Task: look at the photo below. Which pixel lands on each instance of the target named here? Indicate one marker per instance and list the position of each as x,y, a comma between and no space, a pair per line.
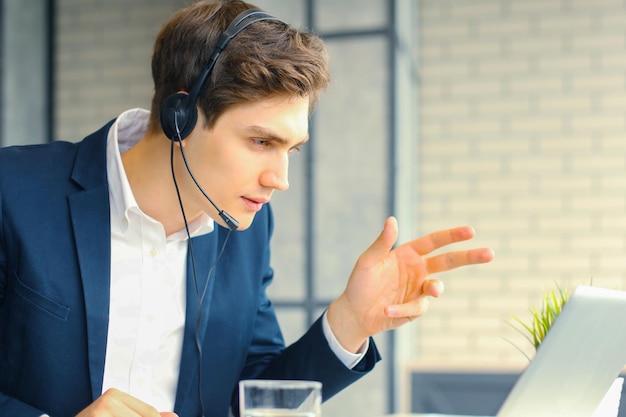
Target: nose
277,175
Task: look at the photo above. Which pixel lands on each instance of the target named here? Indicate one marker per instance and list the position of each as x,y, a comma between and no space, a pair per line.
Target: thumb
168,414
384,242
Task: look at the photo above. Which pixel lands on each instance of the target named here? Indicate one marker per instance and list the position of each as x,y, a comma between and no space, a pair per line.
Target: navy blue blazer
54,295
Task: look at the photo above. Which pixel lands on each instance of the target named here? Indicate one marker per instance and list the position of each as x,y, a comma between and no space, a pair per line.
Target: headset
179,113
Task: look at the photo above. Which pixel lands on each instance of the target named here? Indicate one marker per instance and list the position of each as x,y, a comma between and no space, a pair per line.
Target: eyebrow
268,134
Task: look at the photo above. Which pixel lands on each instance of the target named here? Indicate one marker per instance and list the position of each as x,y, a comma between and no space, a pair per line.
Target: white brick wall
102,60
522,115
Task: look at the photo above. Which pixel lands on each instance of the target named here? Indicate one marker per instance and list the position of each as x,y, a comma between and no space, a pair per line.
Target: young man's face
244,157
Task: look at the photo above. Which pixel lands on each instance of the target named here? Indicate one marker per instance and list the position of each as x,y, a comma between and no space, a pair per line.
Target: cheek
237,171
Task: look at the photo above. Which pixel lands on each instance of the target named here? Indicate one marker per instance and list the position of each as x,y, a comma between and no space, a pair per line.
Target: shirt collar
125,132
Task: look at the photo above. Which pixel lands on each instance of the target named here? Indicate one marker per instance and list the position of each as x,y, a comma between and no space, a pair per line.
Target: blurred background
505,115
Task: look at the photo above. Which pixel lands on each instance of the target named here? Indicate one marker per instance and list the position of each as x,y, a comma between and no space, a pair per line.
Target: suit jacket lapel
90,213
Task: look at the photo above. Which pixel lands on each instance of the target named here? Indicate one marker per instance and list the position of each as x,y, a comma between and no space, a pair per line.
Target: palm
393,280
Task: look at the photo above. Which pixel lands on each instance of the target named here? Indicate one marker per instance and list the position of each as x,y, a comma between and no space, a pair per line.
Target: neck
147,166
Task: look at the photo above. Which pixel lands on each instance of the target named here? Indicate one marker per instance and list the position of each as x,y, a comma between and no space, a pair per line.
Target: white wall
24,72
522,125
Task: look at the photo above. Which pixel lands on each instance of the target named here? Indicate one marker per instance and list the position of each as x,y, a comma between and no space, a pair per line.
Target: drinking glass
280,398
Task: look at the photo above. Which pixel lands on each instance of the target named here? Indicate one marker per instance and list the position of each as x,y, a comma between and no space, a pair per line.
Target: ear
178,116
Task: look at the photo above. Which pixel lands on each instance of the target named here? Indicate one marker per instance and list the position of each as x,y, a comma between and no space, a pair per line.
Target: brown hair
267,58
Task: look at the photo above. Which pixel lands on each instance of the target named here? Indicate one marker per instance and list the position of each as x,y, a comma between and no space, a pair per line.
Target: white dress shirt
148,282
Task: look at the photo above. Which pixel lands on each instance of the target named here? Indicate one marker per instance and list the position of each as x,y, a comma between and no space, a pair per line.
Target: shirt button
154,252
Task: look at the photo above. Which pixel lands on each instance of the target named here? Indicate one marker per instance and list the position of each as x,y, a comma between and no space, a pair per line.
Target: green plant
542,317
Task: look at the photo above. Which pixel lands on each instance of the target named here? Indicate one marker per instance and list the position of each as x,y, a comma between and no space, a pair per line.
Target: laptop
578,360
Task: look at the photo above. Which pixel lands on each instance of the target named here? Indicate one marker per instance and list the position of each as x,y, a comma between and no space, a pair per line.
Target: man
124,290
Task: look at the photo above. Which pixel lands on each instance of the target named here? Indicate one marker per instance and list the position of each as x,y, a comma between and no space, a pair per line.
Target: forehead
284,118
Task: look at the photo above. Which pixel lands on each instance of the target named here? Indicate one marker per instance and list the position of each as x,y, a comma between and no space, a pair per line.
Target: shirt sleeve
349,359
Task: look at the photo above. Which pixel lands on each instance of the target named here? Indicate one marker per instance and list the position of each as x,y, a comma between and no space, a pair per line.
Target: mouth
255,204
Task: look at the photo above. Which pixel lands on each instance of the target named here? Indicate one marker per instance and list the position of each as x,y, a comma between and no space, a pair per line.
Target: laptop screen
578,360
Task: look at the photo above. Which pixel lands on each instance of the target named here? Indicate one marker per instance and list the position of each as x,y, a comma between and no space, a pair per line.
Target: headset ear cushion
178,116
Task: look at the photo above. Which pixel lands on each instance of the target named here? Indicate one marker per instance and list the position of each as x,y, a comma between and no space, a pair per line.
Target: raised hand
391,286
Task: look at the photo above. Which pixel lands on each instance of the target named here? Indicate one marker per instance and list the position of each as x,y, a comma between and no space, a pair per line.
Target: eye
261,143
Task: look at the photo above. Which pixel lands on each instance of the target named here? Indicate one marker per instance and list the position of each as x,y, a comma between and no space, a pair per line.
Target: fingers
451,260
385,241
419,305
433,287
138,406
441,238
411,310
416,307
429,243
117,403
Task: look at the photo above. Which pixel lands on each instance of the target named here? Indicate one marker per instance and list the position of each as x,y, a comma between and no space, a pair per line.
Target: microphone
228,219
